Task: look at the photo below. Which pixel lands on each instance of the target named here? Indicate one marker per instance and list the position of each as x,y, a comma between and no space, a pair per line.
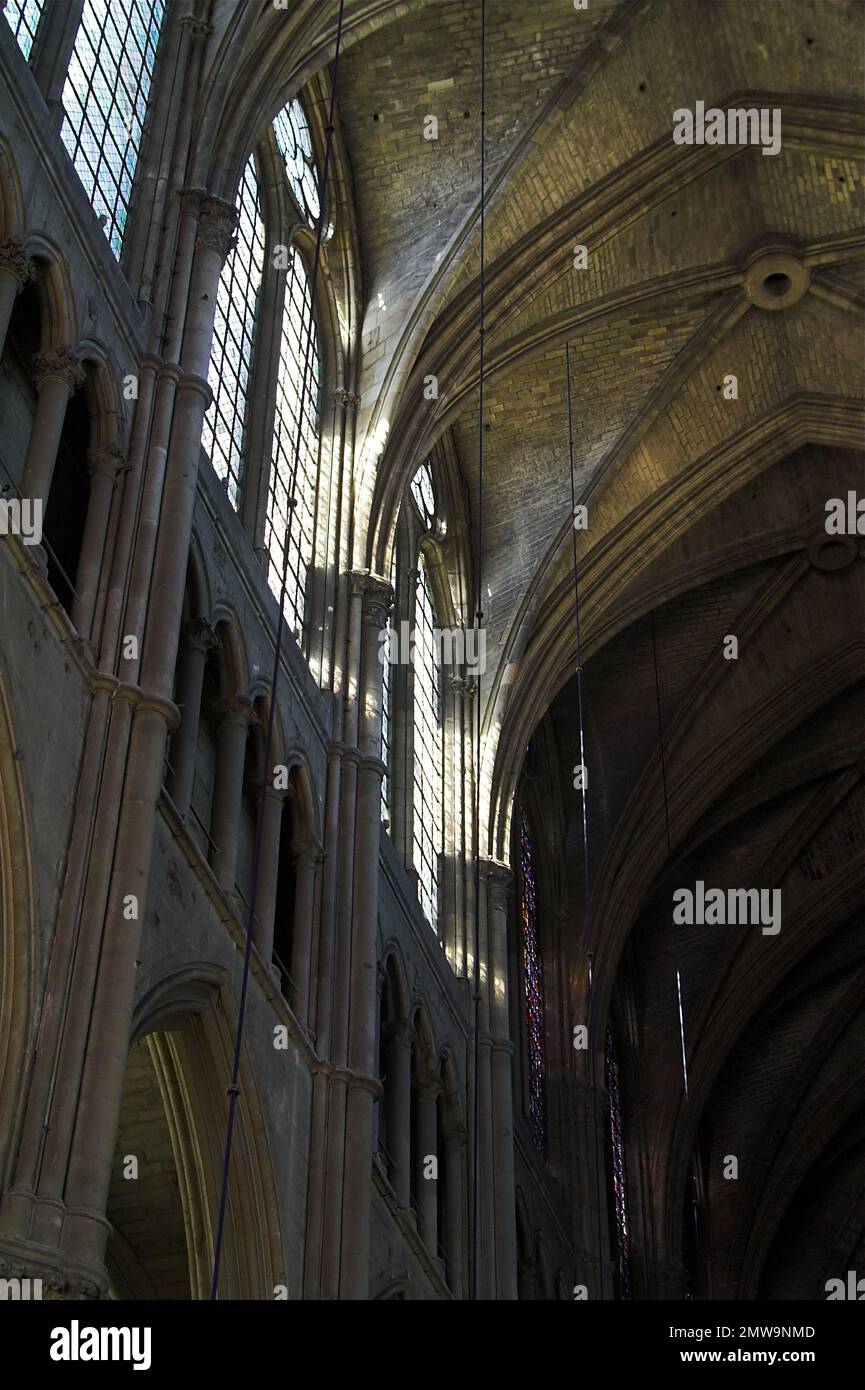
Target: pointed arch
189,1020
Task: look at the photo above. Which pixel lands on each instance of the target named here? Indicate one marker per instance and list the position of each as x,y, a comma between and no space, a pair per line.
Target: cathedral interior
432,839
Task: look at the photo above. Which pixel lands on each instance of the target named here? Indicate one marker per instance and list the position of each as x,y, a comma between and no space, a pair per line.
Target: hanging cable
234,1088
590,944
679,996
479,616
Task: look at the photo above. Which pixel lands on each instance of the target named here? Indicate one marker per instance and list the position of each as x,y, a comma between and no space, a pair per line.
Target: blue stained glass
617,1151
23,19
105,102
533,989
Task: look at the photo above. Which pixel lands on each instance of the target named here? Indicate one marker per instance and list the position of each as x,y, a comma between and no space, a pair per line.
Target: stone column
264,921
104,463
216,221
454,1162
16,269
498,884
197,640
397,1103
308,854
228,790
354,1277
427,1089
58,375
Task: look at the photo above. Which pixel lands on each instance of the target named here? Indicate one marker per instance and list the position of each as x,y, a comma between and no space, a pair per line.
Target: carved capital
15,261
217,222
459,684
239,711
200,634
60,363
347,399
197,28
499,879
377,601
308,852
105,461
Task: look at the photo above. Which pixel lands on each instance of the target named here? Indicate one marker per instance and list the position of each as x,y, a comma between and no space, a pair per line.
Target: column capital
239,711
308,851
198,28
460,684
217,223
377,595
499,879
347,399
199,633
398,1030
61,363
105,460
428,1082
15,261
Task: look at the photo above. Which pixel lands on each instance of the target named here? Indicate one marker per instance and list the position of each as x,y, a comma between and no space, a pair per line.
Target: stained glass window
385,713
105,102
617,1152
296,411
533,989
295,145
423,494
231,353
427,800
23,17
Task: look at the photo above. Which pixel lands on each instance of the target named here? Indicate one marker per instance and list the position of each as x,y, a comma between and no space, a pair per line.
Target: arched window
291,129
533,990
234,325
427,820
617,1174
289,383
105,102
295,446
23,18
424,495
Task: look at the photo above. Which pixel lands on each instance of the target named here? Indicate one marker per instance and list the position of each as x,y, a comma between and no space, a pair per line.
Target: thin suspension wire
234,1088
590,943
680,1003
479,615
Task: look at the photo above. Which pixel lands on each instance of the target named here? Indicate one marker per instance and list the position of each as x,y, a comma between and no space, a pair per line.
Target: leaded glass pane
23,18
295,145
289,530
105,102
233,330
428,782
423,494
